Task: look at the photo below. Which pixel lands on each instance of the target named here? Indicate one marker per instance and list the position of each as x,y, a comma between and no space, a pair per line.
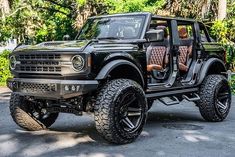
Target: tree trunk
222,9
205,8
4,7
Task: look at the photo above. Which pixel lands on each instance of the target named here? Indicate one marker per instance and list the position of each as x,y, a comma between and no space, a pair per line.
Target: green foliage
233,84
34,21
230,21
4,67
134,5
224,32
220,31
43,20
38,20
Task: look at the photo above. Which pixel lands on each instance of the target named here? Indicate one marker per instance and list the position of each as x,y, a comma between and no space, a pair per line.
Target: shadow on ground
83,140
168,130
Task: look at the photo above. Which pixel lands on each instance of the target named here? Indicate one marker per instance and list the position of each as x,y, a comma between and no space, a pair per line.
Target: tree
222,9
39,20
4,8
43,20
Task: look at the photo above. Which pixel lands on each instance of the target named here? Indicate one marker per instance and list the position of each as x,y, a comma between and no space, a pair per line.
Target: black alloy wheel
120,111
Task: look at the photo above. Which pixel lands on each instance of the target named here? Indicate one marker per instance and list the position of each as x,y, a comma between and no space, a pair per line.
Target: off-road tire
107,110
209,92
21,115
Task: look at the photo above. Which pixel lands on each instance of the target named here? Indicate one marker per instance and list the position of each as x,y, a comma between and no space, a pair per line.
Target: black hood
80,46
55,46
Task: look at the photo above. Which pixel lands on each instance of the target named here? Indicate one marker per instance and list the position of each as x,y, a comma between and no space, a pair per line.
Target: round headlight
12,62
78,63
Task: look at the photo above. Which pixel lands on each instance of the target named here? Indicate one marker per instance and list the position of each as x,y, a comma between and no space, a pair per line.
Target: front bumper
51,88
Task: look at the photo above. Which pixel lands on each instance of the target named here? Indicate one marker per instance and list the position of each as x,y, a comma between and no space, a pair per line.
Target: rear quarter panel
214,49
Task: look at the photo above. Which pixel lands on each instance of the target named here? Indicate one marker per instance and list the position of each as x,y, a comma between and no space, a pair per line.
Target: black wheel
120,111
215,97
28,115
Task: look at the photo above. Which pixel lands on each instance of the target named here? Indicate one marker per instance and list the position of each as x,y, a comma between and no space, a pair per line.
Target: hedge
4,67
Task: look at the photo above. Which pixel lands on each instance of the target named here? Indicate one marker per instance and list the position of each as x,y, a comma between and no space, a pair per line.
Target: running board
168,101
195,97
171,92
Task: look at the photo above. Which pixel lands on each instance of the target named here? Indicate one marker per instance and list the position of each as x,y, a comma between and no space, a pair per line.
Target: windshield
124,27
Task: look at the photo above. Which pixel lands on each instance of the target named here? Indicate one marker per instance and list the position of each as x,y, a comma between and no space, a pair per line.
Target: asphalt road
175,131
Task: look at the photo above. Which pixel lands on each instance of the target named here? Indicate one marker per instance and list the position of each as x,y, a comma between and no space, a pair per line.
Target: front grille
39,63
40,69
35,87
39,56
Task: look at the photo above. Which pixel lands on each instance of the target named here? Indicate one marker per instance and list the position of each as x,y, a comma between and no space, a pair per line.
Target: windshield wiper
114,38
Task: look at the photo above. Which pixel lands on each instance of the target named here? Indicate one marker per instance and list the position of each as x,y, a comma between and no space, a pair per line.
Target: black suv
115,68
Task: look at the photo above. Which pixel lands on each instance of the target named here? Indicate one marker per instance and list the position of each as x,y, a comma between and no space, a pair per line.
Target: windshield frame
143,27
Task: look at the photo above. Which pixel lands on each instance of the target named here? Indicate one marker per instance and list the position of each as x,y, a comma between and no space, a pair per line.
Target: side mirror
66,37
155,35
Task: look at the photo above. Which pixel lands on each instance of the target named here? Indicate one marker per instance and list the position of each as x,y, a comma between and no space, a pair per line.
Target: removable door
162,55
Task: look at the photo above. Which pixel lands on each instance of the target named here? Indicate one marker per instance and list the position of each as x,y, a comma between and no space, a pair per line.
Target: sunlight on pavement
54,140
8,143
195,136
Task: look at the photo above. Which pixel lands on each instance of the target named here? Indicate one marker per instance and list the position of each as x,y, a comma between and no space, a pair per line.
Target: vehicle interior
158,54
115,27
186,54
172,61
159,59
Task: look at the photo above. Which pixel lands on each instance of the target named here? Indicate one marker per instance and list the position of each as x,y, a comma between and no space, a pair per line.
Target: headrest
183,33
161,27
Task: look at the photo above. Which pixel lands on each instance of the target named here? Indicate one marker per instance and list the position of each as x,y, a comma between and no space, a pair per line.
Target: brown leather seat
157,58
185,49
157,53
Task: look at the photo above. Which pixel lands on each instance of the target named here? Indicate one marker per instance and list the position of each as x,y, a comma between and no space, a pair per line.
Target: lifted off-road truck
115,68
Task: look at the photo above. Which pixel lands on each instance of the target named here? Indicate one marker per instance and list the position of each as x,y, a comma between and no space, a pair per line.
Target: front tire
24,114
120,111
215,97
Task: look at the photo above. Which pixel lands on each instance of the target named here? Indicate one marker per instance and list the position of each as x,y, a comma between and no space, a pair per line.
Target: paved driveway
175,131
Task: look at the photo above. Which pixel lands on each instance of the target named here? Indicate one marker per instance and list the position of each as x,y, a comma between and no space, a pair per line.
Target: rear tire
215,97
120,111
22,113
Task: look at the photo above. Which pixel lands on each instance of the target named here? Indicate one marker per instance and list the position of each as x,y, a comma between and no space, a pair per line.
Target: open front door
162,53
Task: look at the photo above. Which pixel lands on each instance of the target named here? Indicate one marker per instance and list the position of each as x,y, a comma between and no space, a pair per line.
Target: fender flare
105,71
206,66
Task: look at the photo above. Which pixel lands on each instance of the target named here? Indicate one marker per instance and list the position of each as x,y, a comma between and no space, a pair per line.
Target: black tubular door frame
174,68
189,79
174,50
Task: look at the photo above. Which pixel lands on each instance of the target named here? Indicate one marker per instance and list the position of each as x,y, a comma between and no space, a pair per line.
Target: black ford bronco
115,68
